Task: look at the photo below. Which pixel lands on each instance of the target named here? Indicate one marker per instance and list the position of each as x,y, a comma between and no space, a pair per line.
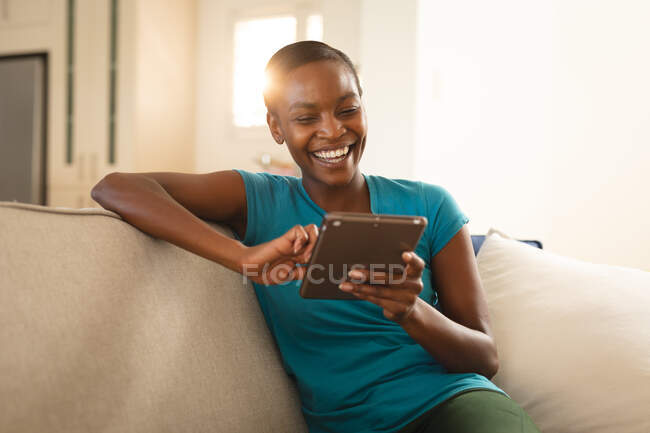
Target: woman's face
318,109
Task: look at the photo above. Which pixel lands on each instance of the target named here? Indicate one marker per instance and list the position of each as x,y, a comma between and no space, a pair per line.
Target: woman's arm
141,200
172,206
461,338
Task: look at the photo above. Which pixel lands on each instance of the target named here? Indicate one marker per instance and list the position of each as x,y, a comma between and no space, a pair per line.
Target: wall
536,116
213,149
164,85
388,71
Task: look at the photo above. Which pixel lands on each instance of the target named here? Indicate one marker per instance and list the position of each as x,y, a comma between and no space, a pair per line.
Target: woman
390,363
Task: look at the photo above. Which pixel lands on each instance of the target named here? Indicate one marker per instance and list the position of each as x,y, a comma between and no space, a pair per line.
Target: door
22,126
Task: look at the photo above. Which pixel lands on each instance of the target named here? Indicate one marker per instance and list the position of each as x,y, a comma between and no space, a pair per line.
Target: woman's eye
349,111
305,119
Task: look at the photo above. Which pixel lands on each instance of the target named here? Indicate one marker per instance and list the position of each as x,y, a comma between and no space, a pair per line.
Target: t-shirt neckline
312,203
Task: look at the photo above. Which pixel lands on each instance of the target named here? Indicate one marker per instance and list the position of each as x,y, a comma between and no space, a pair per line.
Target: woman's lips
337,162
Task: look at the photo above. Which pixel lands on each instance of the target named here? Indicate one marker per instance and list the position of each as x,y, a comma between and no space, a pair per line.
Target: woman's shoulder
430,191
432,200
265,179
392,183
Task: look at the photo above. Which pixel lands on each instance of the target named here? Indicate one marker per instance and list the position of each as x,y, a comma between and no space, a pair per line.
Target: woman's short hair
291,56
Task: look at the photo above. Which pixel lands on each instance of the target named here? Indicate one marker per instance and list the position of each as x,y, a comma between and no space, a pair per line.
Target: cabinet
149,46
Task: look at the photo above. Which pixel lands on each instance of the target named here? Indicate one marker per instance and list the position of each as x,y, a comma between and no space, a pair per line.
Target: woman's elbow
107,182
492,367
492,363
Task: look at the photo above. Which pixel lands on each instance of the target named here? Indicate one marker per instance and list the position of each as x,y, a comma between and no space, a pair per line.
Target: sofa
104,328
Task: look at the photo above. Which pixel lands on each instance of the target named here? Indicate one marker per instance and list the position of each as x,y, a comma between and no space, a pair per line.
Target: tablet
349,240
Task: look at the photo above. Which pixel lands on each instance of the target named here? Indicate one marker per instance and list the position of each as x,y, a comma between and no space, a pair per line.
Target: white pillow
573,337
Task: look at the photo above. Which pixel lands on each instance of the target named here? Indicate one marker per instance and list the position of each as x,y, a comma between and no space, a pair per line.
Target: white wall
388,71
163,81
536,116
210,76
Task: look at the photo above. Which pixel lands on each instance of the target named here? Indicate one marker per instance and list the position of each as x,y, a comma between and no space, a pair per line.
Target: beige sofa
106,329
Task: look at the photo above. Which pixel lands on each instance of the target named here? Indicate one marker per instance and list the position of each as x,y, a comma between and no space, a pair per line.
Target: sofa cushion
573,337
104,328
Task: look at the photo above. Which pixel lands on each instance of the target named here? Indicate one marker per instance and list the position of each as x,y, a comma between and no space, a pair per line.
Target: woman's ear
274,127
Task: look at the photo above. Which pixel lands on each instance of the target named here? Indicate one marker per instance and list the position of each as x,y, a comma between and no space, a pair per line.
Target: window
255,41
315,28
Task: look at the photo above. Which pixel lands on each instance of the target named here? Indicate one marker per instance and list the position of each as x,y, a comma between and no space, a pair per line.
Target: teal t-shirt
355,370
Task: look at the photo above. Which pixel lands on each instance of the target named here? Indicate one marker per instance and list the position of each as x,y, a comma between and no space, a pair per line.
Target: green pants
474,411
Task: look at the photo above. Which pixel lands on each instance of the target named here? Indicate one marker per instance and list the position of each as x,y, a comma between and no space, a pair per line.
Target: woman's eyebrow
311,105
346,96
307,105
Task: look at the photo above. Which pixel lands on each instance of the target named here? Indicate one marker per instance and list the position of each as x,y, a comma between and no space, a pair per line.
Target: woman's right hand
275,261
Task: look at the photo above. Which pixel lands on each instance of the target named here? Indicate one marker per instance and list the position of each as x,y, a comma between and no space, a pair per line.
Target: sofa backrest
105,328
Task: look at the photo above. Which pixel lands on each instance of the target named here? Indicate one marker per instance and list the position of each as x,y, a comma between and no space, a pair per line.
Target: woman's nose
331,127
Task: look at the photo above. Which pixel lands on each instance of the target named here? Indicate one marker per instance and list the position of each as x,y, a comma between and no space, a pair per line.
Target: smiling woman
313,96
415,355
389,363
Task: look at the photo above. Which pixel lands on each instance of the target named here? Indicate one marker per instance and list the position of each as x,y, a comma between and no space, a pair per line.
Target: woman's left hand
396,292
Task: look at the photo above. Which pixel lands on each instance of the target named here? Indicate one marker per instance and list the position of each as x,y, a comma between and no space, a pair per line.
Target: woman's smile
333,157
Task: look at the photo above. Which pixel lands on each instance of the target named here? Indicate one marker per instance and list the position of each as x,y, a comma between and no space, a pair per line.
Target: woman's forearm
144,203
458,348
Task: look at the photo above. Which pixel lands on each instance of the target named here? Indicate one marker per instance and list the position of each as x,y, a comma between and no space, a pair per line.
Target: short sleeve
260,195
444,215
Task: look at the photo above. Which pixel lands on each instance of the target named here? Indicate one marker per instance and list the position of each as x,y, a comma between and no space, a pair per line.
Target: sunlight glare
255,42
315,28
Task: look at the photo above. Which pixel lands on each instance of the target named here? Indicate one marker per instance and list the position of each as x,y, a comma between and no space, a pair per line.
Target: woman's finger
384,292
301,238
312,233
414,264
392,310
286,244
290,241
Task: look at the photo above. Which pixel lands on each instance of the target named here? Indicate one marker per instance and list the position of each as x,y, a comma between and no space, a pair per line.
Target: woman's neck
353,197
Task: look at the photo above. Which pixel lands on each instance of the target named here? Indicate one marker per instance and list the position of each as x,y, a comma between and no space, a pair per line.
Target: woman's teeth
337,154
